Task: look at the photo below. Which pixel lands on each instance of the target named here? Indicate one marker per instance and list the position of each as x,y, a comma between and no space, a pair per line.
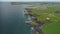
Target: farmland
52,12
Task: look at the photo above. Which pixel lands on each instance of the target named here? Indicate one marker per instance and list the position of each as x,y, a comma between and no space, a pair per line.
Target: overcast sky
32,0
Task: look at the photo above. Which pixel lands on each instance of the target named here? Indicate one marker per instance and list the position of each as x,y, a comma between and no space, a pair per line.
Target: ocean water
12,19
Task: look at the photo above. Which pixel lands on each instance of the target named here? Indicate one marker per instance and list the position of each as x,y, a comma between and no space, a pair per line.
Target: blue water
12,20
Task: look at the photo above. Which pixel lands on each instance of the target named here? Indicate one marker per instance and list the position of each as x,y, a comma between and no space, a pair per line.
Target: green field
52,27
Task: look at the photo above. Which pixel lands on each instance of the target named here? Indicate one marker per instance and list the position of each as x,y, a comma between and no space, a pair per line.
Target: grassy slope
52,28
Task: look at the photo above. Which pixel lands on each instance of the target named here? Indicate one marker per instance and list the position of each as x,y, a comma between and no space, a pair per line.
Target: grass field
54,26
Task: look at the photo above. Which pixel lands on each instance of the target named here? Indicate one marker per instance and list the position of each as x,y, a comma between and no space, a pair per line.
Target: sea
12,19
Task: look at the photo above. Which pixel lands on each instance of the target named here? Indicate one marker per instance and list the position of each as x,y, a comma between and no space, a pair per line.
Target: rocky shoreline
36,28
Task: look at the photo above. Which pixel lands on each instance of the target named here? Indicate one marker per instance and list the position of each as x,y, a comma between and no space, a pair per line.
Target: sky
30,0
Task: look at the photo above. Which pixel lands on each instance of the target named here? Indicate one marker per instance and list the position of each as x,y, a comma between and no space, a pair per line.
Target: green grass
54,26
